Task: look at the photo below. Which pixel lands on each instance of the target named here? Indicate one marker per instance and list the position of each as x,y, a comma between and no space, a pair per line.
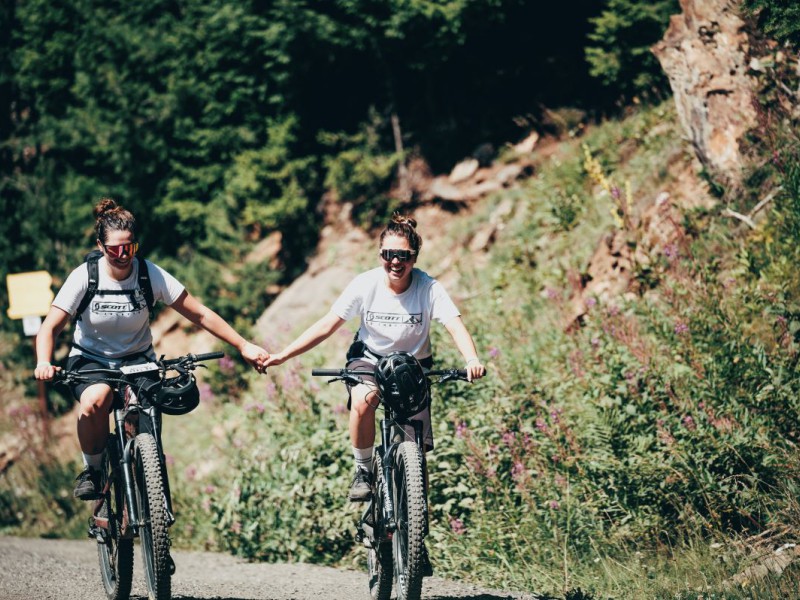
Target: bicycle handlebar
188,359
344,373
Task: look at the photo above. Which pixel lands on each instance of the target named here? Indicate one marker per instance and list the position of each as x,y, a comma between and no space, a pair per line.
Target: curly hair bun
105,205
404,220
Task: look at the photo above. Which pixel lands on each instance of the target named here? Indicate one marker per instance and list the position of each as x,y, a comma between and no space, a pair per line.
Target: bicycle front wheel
153,524
115,552
409,513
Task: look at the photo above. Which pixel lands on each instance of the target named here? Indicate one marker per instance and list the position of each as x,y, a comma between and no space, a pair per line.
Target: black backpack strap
145,285
91,264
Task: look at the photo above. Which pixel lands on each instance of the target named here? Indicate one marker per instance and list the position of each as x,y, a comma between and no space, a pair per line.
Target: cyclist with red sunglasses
114,328
397,304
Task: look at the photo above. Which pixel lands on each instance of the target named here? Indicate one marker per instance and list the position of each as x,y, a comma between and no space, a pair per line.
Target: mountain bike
394,524
135,499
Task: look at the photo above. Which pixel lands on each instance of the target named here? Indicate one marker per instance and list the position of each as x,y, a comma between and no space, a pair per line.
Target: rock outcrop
705,55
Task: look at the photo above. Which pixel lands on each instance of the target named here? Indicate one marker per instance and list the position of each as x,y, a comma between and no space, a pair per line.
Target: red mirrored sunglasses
120,250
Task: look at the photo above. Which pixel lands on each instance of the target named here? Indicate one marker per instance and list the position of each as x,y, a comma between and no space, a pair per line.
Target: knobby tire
116,553
153,532
409,507
379,560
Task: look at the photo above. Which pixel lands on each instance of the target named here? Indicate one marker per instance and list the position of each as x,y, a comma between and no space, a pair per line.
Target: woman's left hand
256,356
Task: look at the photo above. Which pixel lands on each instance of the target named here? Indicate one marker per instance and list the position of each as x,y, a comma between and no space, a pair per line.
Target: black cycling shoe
361,488
87,485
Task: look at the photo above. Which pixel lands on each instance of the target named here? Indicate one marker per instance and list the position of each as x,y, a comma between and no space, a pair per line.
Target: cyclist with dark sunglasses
397,303
114,328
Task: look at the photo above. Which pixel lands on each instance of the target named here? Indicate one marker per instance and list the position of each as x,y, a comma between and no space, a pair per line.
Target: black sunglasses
401,255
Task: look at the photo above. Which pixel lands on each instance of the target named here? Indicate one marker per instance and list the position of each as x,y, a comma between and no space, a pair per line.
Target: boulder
705,56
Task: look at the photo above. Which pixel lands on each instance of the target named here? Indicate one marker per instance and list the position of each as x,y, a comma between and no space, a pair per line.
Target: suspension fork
125,466
388,466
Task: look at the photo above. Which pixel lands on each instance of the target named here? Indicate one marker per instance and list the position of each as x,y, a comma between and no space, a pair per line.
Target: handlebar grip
209,356
462,373
326,372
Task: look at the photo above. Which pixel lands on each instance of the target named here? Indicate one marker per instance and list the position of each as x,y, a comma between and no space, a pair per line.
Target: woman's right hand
45,371
274,360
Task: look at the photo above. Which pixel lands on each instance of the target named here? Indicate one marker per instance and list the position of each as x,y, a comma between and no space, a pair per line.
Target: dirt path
67,570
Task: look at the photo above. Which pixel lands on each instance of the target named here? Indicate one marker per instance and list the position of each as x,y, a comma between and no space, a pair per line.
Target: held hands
256,356
275,360
475,370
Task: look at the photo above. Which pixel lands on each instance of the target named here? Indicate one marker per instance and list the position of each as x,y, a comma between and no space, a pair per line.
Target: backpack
143,278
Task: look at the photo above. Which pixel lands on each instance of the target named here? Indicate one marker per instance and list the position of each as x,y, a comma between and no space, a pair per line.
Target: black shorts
424,416
84,363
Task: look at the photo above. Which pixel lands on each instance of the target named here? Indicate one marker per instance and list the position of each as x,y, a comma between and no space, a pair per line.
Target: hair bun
105,205
403,220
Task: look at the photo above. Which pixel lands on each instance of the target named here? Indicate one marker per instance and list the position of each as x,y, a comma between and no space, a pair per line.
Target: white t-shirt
114,325
395,322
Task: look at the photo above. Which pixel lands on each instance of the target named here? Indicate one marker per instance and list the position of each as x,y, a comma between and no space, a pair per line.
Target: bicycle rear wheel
409,509
115,551
153,533
379,557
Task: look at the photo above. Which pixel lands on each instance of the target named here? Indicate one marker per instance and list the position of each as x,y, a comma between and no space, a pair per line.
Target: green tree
619,54
778,18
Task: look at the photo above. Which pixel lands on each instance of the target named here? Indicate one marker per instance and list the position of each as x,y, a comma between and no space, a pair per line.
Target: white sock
363,458
93,460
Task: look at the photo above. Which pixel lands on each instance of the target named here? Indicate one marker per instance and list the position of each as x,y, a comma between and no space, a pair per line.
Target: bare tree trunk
402,171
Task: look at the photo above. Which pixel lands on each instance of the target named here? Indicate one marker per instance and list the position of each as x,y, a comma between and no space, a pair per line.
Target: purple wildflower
689,423
541,425
509,437
551,293
554,505
595,343
206,394
517,470
461,429
671,251
457,526
615,192
590,302
681,328
226,363
494,352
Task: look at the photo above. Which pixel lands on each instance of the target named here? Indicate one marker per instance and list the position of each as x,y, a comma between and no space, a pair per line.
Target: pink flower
461,429
517,471
457,526
681,328
494,352
554,505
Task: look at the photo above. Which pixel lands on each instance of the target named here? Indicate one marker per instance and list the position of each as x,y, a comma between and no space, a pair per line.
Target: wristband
44,363
473,360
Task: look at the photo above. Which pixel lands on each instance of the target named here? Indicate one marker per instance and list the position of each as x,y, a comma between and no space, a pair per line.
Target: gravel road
32,568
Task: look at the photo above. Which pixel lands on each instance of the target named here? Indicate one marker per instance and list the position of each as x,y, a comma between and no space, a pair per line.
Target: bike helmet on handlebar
402,383
179,395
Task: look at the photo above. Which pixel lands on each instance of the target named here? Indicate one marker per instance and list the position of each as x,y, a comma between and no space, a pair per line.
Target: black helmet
179,395
402,383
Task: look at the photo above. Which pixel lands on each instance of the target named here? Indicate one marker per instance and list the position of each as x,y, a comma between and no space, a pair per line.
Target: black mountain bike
135,499
395,522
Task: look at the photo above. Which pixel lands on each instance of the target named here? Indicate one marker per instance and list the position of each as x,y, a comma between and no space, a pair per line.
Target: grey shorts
424,416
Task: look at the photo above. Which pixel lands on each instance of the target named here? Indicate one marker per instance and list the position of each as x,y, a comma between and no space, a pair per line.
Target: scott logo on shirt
394,319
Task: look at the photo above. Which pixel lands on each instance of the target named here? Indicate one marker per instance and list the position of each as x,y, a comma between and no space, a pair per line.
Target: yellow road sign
29,294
